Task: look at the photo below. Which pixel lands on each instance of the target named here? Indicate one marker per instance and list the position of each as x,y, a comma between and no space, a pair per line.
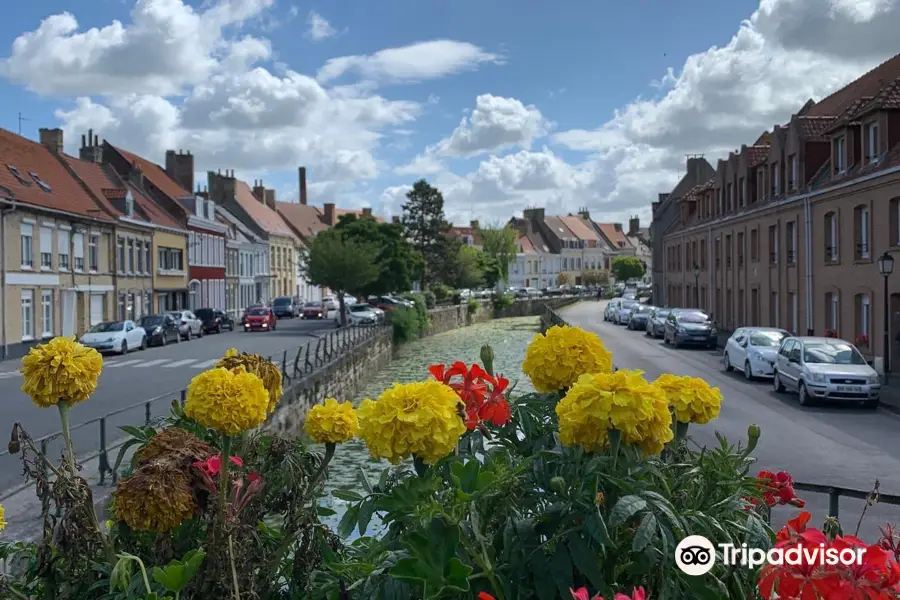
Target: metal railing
295,365
835,493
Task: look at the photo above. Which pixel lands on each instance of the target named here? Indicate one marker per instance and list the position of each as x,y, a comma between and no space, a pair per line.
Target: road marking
152,363
180,363
122,363
9,374
206,363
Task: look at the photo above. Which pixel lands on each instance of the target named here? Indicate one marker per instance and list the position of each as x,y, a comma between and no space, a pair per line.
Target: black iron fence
296,364
551,317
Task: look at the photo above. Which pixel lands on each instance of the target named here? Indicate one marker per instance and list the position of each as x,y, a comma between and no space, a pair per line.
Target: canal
508,337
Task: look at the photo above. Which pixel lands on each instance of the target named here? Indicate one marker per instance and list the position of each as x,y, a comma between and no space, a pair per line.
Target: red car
259,318
313,310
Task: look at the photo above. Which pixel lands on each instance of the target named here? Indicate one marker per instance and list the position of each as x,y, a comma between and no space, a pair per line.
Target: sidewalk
890,395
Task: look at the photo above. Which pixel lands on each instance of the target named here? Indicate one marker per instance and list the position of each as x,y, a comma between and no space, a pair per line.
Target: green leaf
365,514
135,432
544,585
348,521
625,508
348,495
120,575
407,569
596,527
324,511
645,533
585,559
177,574
364,480
561,564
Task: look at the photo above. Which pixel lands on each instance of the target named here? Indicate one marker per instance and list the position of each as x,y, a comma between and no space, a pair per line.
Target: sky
502,105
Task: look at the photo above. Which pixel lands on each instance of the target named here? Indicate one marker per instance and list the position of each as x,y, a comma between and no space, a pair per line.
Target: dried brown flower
157,497
176,443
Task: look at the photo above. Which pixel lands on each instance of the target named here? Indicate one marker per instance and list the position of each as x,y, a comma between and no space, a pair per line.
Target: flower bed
584,487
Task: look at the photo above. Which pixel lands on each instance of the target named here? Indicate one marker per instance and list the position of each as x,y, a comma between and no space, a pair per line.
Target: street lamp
697,284
886,267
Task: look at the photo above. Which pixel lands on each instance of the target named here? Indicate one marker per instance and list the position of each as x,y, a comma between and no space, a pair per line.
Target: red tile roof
305,219
525,245
757,155
616,236
867,85
155,213
813,128
582,228
157,176
63,191
269,220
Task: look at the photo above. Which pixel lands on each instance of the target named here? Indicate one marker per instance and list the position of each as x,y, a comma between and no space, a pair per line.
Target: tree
445,266
426,227
398,262
595,277
562,279
342,265
627,267
491,272
500,243
469,273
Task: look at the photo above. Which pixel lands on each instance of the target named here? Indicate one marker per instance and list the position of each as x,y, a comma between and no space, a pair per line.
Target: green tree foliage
627,267
398,262
595,277
340,263
562,279
444,266
426,228
470,272
500,244
491,271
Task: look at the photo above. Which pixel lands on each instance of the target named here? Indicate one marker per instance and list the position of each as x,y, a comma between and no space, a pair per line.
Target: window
861,223
839,154
27,315
170,259
740,248
727,251
46,248
773,244
754,245
791,243
46,313
78,239
26,244
147,266
62,249
795,175
863,320
121,254
776,179
44,186
131,255
831,237
872,142
139,245
832,309
94,252
730,195
703,254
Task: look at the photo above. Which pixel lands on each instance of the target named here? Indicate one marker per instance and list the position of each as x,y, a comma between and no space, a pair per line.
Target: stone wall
340,379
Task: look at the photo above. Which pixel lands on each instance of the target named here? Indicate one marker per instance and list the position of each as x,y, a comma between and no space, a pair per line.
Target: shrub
405,324
456,299
472,306
500,301
442,293
430,299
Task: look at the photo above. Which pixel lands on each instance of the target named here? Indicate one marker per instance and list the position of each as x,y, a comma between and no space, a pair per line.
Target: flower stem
329,454
64,420
223,477
234,577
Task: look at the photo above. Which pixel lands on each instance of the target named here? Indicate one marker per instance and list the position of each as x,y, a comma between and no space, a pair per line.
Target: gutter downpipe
3,337
808,262
709,267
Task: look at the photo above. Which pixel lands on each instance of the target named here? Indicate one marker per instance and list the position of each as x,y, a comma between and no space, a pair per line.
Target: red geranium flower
212,465
482,394
583,594
778,489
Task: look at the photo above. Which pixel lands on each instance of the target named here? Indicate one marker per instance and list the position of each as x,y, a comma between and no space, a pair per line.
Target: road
135,378
838,445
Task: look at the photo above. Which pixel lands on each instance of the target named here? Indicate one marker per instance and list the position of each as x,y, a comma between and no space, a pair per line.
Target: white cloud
318,27
497,123
416,62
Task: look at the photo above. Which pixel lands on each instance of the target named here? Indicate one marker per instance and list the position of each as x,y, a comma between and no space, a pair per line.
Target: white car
188,324
357,314
753,350
115,336
621,315
330,303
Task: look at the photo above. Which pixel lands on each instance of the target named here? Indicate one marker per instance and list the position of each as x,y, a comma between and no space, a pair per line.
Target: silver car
822,369
188,324
621,316
656,322
753,350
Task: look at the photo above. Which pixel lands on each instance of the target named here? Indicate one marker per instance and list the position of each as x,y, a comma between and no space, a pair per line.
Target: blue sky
566,104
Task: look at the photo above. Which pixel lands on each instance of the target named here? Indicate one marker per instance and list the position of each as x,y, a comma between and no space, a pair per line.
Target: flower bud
120,577
832,528
558,484
487,358
753,433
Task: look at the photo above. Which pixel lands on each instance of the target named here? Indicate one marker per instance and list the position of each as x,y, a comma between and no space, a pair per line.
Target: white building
247,270
536,265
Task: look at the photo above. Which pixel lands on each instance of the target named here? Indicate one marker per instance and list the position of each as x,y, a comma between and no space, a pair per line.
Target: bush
405,324
472,306
456,299
500,301
442,293
430,299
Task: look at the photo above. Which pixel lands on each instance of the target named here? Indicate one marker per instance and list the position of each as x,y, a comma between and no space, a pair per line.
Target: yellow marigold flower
332,422
419,419
62,370
2,518
555,361
261,367
624,401
157,498
692,399
229,401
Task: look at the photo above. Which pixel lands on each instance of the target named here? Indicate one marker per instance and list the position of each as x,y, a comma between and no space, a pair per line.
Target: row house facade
787,232
536,265
246,266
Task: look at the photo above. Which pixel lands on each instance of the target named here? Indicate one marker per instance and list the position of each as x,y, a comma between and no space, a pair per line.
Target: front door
68,313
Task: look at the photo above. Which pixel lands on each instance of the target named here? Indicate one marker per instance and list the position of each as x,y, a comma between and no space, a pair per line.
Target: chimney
585,214
52,139
367,211
634,224
302,174
395,219
269,195
259,191
473,224
180,167
329,214
91,150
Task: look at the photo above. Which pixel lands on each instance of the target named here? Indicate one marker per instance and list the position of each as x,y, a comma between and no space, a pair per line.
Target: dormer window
872,142
44,186
839,152
129,204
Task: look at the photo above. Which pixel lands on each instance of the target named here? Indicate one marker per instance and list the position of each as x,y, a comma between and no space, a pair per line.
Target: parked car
357,314
611,309
286,307
820,368
753,350
389,303
247,311
214,320
640,315
115,336
189,324
690,327
379,314
330,303
621,315
656,322
160,329
313,311
260,318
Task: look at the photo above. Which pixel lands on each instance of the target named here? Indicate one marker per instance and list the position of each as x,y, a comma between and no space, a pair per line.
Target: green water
508,337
